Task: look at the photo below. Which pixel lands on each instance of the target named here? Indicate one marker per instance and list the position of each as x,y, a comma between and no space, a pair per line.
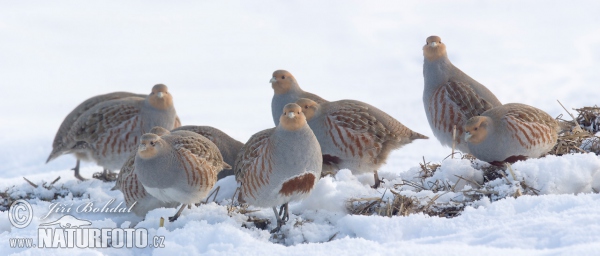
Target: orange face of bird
149,145
476,129
292,118
282,81
160,97
434,48
308,106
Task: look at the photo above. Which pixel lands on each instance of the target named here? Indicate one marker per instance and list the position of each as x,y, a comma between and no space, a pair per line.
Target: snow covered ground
217,59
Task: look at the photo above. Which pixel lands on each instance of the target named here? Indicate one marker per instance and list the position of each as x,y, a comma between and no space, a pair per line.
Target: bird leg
377,180
509,167
280,222
76,169
176,216
106,175
284,212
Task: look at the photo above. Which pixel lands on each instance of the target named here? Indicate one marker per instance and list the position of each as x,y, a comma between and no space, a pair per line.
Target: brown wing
104,117
453,104
206,131
355,131
253,164
128,183
61,140
530,126
201,158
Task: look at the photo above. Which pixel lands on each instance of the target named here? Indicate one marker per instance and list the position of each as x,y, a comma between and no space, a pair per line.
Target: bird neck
436,73
151,117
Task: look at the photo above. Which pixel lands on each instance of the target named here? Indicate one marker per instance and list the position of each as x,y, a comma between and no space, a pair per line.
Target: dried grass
7,197
401,205
577,136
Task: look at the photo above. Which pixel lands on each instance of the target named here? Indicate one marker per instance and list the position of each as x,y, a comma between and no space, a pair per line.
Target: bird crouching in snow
511,132
106,128
178,167
450,96
355,135
279,165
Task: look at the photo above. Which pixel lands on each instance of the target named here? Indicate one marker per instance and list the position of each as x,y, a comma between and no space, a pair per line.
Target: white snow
217,58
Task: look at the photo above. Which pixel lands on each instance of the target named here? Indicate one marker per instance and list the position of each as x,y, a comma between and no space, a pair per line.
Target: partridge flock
164,164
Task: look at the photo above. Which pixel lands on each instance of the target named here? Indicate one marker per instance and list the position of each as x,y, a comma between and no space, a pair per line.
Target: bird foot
173,218
377,183
76,170
77,175
275,230
105,176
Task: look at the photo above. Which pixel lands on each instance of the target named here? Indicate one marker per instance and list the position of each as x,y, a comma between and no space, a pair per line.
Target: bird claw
173,218
275,230
105,176
377,184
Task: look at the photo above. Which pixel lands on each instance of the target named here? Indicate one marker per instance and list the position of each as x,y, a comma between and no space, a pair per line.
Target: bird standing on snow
511,132
133,190
106,128
280,164
287,91
180,166
228,146
355,135
450,96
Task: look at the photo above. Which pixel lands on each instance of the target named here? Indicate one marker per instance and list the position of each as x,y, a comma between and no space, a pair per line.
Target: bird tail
56,152
416,135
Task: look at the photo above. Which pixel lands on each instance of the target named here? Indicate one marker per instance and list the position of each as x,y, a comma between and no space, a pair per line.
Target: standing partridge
61,140
109,131
228,146
134,193
287,91
355,135
450,96
511,132
280,164
180,166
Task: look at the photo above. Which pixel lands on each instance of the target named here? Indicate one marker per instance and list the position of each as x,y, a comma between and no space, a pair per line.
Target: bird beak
291,114
273,80
467,136
159,95
141,147
433,44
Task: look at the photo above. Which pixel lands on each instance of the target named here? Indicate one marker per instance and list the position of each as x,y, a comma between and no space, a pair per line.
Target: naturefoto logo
71,232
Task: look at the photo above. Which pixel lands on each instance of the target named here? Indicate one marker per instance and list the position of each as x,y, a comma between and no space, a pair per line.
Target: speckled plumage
280,164
134,192
355,135
228,146
286,90
450,96
180,166
511,132
109,130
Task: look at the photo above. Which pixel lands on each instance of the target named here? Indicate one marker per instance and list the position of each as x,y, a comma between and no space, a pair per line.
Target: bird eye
476,128
306,107
282,77
298,112
152,143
